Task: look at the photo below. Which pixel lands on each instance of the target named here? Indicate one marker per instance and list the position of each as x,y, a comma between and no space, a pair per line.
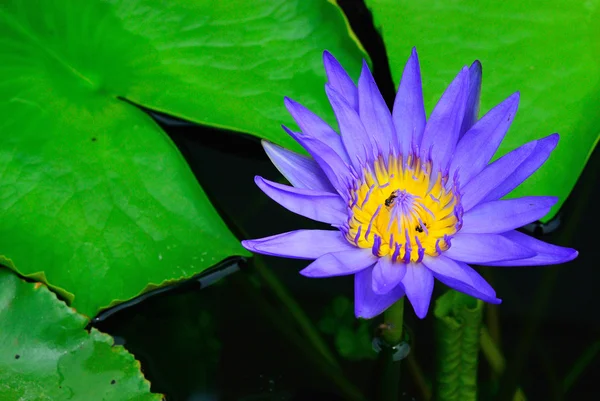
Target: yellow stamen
399,211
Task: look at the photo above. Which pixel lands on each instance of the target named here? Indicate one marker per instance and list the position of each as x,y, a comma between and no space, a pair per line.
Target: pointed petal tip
258,180
476,66
271,147
421,312
513,103
253,245
551,141
574,254
248,244
329,61
365,72
288,131
292,106
268,146
571,256
567,255
359,312
552,200
413,59
515,97
418,283
362,314
306,273
554,138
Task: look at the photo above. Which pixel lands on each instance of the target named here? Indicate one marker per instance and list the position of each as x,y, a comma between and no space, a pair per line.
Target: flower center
402,210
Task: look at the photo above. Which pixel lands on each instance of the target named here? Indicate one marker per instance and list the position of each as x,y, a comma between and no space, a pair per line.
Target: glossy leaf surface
95,199
47,355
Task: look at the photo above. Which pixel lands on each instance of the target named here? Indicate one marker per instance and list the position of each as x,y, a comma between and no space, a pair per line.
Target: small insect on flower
390,200
410,199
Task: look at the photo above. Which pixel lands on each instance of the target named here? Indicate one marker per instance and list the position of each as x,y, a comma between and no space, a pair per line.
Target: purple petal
313,126
546,254
538,156
442,129
484,248
328,160
301,171
472,109
300,244
368,304
461,277
409,111
478,145
494,174
340,263
418,284
320,206
504,215
374,113
339,80
358,145
387,275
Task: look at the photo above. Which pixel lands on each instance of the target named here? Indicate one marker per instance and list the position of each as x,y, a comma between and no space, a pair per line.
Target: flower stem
388,370
394,319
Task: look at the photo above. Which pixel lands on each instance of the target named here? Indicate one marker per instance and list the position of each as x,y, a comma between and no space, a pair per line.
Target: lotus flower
409,199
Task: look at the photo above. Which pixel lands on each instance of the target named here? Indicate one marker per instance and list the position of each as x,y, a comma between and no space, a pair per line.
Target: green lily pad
47,355
547,51
95,199
230,63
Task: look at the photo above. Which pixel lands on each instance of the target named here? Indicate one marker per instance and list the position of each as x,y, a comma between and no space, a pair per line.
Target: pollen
402,209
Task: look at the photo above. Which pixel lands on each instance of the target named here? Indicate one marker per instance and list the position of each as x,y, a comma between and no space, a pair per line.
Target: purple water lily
410,199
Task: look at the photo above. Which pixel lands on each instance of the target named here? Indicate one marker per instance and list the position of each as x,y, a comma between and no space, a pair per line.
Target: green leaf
103,211
46,353
457,327
230,63
95,199
547,51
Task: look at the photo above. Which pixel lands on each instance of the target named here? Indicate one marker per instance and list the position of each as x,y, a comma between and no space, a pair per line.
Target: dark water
236,340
